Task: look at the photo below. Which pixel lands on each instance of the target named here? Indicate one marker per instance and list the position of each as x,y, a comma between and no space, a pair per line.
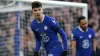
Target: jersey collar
42,20
81,29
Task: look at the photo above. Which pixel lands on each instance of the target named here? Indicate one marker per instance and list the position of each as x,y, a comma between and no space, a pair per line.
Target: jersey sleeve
64,38
73,36
93,34
55,27
53,24
38,41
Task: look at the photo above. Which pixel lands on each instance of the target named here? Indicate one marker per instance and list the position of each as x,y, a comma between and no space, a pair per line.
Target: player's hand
64,53
35,53
94,53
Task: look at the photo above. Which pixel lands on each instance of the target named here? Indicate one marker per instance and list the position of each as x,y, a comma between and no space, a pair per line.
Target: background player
45,29
83,43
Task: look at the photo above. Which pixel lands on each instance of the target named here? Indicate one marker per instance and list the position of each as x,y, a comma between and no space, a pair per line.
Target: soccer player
83,37
45,29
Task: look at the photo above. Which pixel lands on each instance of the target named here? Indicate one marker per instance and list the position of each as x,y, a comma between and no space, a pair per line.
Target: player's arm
64,39
55,26
38,43
73,44
37,46
94,44
73,48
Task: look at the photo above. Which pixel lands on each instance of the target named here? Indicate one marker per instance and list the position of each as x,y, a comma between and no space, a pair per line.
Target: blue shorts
56,50
84,54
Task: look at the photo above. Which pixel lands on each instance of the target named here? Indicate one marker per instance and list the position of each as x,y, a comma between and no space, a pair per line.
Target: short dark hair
36,4
80,18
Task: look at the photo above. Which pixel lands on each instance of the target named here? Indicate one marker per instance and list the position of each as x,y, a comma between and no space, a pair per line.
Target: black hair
36,4
80,18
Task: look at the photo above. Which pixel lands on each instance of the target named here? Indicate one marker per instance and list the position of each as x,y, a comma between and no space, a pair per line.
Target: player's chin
84,28
37,16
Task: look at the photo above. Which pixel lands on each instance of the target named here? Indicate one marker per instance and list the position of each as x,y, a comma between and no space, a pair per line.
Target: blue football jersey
45,32
83,41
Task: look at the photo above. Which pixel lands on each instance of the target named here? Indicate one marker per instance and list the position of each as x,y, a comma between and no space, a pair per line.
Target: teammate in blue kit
83,39
45,29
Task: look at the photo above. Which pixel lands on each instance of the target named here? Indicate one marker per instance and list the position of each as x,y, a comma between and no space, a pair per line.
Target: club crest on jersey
45,27
89,36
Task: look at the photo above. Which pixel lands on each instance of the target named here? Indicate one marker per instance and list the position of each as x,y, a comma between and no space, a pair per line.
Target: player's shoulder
90,29
33,23
75,29
49,18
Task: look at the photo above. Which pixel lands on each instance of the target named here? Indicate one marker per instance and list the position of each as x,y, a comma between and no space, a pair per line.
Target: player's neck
83,30
40,20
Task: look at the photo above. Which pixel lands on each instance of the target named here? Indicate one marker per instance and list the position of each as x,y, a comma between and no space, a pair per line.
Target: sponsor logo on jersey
50,55
44,36
85,44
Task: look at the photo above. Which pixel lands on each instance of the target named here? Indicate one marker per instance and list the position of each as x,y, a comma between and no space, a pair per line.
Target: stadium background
65,16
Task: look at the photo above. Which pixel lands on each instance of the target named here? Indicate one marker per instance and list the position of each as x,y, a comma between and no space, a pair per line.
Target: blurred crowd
66,16
7,31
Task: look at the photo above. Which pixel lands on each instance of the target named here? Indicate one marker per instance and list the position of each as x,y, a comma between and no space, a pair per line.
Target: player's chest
82,36
41,28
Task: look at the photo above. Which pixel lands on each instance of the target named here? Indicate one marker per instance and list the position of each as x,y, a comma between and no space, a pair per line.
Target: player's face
83,24
37,12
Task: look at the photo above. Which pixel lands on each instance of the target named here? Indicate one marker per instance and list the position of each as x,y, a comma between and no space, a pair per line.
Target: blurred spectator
98,2
3,47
